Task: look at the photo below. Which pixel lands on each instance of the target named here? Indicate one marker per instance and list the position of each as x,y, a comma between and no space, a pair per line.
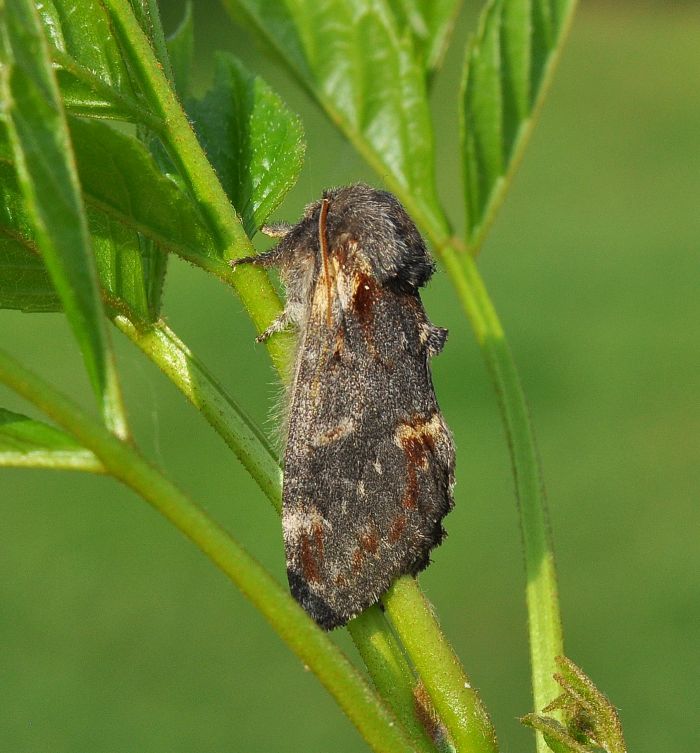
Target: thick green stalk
383,656
302,635
456,701
159,343
251,283
544,620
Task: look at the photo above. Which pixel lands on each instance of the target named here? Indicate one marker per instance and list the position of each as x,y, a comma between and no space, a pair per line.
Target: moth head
378,227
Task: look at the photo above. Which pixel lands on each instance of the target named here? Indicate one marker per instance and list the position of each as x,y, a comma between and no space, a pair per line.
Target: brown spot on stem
425,711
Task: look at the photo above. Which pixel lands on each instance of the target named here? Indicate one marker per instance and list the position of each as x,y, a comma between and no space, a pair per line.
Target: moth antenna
323,242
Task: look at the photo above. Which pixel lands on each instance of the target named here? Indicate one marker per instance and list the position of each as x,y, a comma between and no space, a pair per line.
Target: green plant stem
544,620
383,656
251,284
374,640
302,635
152,18
76,460
455,700
159,343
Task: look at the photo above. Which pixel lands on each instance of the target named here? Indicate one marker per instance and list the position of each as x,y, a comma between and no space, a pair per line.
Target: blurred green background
117,636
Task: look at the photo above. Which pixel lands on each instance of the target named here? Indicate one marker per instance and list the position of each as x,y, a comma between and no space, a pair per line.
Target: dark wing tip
316,607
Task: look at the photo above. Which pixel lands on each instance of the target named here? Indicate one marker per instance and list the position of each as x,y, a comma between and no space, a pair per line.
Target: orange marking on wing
417,440
317,531
398,525
309,566
410,495
364,297
332,434
341,581
369,541
357,559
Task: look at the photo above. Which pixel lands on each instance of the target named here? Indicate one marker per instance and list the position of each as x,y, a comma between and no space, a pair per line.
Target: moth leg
280,323
293,314
435,341
269,258
276,229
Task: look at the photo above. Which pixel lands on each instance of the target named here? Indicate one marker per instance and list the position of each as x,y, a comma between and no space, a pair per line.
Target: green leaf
591,722
121,179
91,72
430,23
128,201
24,282
124,268
508,66
253,141
181,51
368,79
555,735
48,179
25,443
121,267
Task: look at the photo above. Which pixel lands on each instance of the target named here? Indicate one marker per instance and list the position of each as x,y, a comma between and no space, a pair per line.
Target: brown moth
369,461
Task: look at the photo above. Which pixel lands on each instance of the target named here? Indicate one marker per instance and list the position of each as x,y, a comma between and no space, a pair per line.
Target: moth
369,461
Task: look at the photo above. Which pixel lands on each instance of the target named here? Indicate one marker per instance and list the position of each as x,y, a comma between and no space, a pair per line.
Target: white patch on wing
344,281
433,428
302,520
